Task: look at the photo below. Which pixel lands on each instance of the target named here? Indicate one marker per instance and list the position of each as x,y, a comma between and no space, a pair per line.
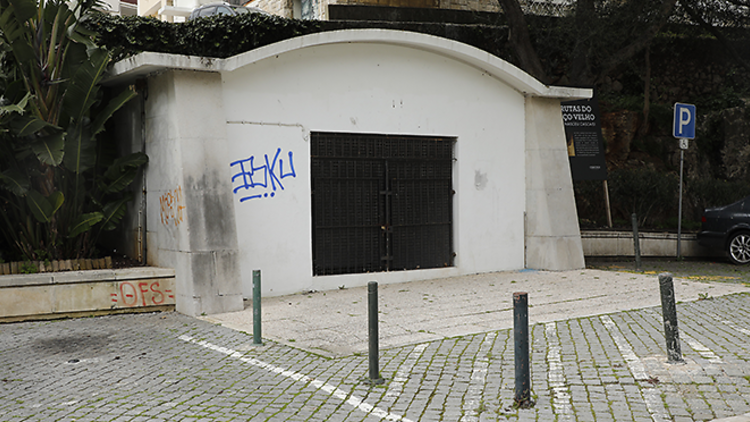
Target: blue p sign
684,121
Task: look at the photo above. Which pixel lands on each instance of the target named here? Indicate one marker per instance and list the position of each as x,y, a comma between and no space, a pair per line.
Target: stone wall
275,7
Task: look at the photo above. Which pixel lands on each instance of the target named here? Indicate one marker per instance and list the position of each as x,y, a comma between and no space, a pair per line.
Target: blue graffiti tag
252,177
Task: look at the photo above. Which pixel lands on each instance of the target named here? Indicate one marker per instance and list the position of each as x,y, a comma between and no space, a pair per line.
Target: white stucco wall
374,88
513,203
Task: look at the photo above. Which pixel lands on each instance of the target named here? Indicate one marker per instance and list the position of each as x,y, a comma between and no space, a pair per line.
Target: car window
221,10
241,10
207,11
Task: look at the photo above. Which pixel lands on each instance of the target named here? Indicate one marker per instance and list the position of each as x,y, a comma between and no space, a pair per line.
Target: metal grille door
381,202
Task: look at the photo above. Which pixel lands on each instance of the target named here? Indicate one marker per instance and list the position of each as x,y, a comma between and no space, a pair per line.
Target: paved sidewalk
592,359
334,323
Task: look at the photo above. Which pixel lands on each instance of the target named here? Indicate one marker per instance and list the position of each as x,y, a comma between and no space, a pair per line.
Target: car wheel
739,248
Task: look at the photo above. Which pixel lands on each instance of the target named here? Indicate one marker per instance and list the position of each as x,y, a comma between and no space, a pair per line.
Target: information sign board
583,132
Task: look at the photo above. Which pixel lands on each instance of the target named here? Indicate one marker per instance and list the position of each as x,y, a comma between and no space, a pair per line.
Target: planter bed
81,293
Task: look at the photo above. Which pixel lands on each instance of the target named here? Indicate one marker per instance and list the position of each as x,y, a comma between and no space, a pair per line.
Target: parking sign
684,121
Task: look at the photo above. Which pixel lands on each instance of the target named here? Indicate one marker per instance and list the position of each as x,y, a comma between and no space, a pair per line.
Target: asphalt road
694,269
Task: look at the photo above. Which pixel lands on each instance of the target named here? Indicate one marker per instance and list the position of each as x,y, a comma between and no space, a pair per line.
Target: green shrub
707,193
589,196
647,193
215,36
28,268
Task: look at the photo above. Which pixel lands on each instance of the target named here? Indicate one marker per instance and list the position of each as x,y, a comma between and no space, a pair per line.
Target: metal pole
257,340
606,204
679,208
636,242
669,312
372,318
521,350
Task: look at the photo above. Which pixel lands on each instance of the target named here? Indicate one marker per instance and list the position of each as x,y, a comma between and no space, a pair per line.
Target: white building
121,7
342,157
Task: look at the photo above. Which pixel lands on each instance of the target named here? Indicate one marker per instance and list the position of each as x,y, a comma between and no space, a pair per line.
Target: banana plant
58,187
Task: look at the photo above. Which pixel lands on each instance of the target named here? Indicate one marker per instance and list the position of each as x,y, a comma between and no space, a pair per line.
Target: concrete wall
513,206
319,9
73,293
610,243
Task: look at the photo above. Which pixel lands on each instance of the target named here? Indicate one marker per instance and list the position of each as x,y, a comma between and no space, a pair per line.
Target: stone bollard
372,319
521,349
257,340
636,242
669,312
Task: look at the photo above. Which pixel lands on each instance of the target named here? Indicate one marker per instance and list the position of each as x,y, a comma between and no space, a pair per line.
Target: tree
60,192
716,17
600,35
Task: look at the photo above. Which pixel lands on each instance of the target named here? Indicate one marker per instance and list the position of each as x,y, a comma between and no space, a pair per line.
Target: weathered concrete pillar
191,222
553,237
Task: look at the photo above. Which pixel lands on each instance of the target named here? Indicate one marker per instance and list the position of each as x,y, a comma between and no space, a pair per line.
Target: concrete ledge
73,293
620,243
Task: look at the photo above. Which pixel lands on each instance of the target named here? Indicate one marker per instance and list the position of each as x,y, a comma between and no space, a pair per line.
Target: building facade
338,158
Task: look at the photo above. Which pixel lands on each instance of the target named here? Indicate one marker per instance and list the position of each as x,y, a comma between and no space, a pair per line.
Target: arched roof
149,62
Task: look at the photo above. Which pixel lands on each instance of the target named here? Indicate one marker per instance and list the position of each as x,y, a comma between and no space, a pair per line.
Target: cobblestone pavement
170,367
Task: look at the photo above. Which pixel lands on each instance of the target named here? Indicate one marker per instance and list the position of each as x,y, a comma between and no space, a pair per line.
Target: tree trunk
520,40
643,130
580,66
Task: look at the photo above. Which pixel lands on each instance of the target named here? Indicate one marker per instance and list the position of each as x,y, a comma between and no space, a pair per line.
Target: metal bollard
372,319
636,242
521,350
669,312
257,340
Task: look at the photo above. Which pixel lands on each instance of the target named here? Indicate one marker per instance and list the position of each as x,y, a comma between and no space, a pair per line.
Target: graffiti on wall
142,293
259,177
172,209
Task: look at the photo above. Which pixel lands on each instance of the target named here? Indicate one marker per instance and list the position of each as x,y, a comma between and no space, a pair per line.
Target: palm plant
60,190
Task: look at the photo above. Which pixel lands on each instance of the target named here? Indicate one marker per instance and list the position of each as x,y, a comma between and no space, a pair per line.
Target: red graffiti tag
143,293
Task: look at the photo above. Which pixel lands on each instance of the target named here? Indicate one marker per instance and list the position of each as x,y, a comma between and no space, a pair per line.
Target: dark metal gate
381,202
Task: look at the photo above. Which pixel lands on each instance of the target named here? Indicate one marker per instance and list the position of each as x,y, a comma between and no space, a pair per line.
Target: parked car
728,228
223,9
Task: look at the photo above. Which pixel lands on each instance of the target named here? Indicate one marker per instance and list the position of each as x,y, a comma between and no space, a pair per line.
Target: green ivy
224,36
216,36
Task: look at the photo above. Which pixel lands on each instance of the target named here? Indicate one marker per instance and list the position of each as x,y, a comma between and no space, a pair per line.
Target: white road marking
476,383
651,396
556,376
702,350
740,329
396,386
348,398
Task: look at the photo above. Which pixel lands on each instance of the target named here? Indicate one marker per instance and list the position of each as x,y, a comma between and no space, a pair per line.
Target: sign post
683,128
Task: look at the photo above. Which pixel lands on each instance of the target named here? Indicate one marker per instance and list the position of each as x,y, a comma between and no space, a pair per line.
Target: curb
740,418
